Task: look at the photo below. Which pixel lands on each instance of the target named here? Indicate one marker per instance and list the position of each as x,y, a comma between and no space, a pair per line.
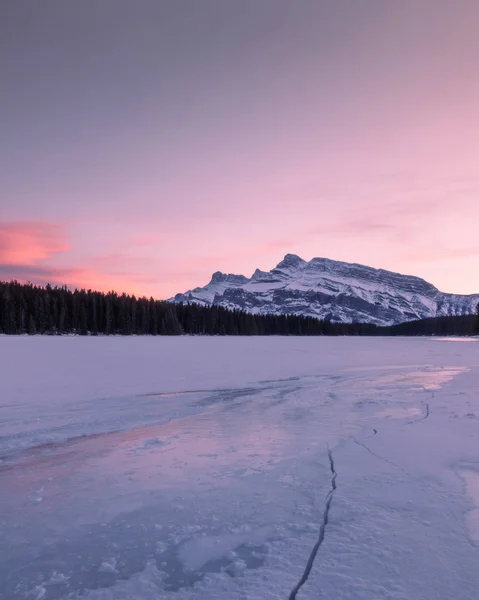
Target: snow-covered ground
239,468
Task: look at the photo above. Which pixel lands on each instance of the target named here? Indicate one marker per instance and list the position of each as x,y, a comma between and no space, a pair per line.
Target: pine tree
39,313
107,328
7,315
83,319
32,328
94,320
62,316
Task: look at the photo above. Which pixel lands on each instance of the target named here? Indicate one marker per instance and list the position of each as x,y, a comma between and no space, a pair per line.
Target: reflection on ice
455,339
427,378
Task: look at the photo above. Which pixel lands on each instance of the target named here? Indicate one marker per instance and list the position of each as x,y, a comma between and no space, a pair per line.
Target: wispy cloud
31,242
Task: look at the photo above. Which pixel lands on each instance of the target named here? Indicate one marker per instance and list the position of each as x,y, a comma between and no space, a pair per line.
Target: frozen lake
239,468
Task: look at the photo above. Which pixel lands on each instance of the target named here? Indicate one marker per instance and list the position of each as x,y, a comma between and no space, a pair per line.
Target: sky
146,144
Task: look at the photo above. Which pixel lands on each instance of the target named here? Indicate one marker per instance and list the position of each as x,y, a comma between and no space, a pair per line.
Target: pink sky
164,144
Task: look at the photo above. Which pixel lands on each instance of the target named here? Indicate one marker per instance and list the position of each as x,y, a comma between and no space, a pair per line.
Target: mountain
333,290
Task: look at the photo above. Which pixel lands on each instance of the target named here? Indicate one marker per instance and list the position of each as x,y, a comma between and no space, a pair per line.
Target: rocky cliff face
333,290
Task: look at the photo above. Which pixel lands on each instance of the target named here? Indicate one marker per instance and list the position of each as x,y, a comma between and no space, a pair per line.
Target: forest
30,309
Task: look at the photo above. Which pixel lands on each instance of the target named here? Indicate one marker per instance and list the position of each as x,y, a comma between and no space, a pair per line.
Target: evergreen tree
83,318
107,325
39,313
94,318
32,328
62,315
8,312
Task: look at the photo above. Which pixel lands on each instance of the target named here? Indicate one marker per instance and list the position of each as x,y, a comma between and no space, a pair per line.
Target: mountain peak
258,274
219,277
290,260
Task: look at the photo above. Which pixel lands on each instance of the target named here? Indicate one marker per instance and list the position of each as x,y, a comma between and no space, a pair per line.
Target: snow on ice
238,468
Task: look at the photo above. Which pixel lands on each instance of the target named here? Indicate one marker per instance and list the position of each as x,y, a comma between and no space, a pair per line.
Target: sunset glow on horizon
145,146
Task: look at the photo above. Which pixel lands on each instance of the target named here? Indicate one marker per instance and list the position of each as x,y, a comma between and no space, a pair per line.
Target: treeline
25,308
441,326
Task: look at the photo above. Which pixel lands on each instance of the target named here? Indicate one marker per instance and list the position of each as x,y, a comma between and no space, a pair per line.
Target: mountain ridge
334,290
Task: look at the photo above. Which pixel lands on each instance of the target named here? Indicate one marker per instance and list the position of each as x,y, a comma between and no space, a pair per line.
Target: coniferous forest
30,309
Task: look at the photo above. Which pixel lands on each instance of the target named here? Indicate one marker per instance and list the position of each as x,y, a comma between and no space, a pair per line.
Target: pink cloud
31,242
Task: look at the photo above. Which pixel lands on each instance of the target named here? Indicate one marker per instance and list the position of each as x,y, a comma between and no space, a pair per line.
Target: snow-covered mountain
333,290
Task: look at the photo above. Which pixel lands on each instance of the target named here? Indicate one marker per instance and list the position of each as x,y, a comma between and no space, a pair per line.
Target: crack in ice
424,416
322,530
389,462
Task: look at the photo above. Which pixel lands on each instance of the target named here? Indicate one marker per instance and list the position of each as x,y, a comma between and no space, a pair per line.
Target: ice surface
198,468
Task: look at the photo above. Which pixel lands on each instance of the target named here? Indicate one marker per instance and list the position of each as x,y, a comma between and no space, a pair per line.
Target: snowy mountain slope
329,289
